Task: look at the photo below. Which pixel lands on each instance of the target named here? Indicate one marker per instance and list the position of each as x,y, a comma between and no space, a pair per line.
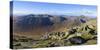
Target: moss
91,42
87,36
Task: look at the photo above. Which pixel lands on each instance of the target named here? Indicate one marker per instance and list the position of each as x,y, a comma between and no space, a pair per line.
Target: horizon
23,7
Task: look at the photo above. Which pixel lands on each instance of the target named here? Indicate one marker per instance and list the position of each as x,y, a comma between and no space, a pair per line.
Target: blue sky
23,7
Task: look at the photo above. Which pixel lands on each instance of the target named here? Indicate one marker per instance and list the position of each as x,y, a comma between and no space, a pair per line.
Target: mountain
38,24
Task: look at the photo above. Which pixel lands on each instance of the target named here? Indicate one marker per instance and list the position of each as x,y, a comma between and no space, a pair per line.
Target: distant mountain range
42,23
30,21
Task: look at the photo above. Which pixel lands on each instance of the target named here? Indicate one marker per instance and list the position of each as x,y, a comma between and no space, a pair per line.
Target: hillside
79,35
42,23
34,31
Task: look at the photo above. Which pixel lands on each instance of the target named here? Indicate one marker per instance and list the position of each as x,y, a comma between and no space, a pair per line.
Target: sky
23,7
